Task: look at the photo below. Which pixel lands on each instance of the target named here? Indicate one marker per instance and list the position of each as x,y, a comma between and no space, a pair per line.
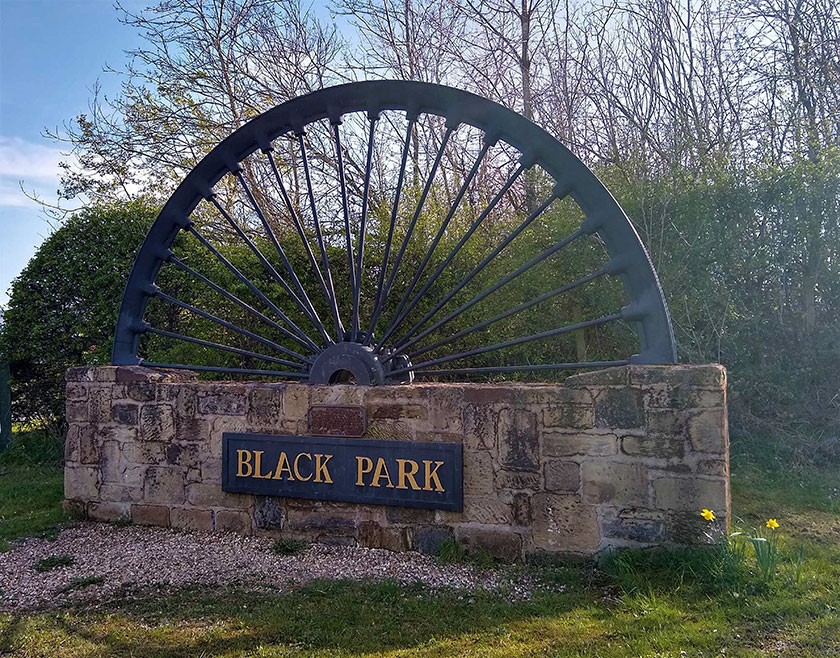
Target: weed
289,546
53,562
451,552
80,583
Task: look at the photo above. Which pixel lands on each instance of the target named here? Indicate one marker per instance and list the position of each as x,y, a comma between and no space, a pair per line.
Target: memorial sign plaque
398,473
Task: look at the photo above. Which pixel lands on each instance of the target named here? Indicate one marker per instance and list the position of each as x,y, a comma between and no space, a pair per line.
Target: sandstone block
478,472
708,431
191,519
488,510
517,480
518,444
614,482
76,391
140,391
150,515
619,376
233,521
703,376
564,445
504,544
575,416
77,411
109,511
207,494
690,493
480,427
372,535
663,446
644,526
121,493
81,482
429,540
265,407
157,422
620,408
268,513
222,401
564,523
521,509
718,467
409,515
125,413
562,476
164,485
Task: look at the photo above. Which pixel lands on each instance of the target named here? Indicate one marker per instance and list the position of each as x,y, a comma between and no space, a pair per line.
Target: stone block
120,493
703,376
125,413
71,444
518,444
562,476
99,404
574,416
503,544
88,446
76,391
372,535
150,515
619,376
109,511
211,471
149,452
76,411
521,509
210,494
690,528
296,402
690,493
478,472
409,515
661,446
191,519
79,374
562,523
614,482
708,431
488,510
517,480
140,391
619,408
480,427
331,521
81,482
222,401
265,407
187,456
718,467
157,422
643,526
667,422
164,485
429,540
268,513
233,521
566,445
487,394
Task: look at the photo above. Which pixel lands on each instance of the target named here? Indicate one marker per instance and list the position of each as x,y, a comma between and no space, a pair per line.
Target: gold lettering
241,457
321,468
360,471
380,473
297,472
257,468
431,474
283,467
403,474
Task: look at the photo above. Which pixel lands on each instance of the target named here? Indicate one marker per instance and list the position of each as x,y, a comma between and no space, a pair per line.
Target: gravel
128,560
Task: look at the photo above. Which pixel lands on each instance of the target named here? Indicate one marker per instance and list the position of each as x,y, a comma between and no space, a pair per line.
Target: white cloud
23,160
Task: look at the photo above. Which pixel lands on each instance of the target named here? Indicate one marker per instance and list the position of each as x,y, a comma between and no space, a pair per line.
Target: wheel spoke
265,263
405,343
380,300
526,367
325,261
515,341
243,305
362,228
306,304
226,324
238,371
351,266
217,346
298,224
501,316
442,230
301,338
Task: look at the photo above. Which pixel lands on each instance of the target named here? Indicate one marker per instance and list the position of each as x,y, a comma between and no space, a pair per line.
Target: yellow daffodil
772,524
709,515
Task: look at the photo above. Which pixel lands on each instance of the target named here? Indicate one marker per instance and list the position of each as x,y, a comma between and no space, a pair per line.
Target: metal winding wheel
396,318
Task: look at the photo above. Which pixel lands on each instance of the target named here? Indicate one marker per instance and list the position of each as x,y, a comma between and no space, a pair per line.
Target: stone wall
620,457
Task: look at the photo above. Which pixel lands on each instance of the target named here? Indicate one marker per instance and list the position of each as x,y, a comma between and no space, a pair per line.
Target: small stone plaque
337,420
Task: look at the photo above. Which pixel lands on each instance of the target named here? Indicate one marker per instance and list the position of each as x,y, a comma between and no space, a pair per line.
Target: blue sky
51,54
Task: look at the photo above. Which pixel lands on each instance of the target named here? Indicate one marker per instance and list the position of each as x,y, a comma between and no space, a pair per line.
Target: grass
53,562
289,546
687,602
80,583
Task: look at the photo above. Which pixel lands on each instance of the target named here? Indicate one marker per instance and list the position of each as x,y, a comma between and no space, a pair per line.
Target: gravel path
135,558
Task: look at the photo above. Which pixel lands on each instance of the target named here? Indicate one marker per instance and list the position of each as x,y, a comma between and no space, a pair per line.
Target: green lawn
639,604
